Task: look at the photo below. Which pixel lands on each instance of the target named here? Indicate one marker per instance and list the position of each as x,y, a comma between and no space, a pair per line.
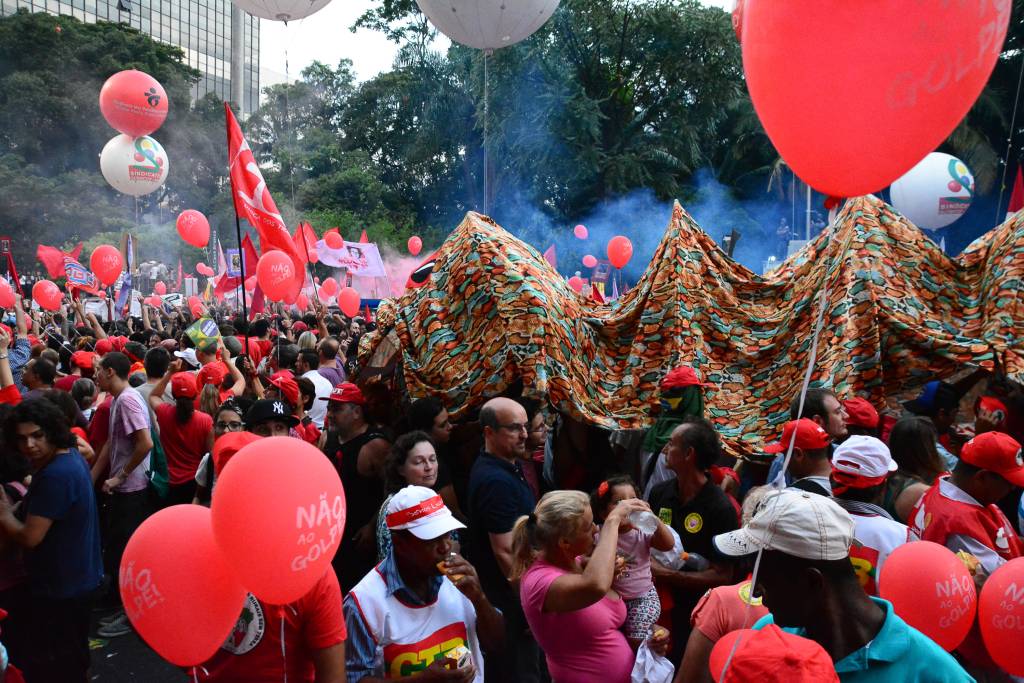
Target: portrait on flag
360,259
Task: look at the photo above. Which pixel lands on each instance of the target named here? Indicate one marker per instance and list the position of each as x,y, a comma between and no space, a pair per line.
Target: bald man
498,495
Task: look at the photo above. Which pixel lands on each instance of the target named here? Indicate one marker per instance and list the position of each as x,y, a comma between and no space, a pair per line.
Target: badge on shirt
693,522
665,515
249,628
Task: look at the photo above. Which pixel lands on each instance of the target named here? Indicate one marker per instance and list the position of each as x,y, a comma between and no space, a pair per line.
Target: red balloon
333,239
931,589
106,264
275,274
154,301
6,295
415,245
193,228
620,250
1001,615
581,232
160,288
282,546
329,287
204,269
737,20
589,261
47,295
927,64
250,283
348,302
576,283
171,566
133,103
302,302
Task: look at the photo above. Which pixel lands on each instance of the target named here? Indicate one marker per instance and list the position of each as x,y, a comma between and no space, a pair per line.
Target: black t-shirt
708,514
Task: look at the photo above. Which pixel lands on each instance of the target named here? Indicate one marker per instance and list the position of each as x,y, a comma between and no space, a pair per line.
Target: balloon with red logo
415,245
160,288
275,273
925,67
133,103
348,302
47,295
171,565
6,295
930,589
1001,616
580,231
620,250
193,228
106,264
576,283
333,239
281,547
589,261
134,166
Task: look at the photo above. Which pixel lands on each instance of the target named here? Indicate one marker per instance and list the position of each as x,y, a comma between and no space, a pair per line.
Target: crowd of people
485,567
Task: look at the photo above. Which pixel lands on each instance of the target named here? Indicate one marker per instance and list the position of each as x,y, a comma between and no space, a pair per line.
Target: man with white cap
807,581
860,467
421,611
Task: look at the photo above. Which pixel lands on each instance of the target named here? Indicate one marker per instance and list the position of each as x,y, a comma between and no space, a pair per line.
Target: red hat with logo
770,655
996,452
809,437
346,392
284,380
183,385
212,373
104,346
683,376
860,413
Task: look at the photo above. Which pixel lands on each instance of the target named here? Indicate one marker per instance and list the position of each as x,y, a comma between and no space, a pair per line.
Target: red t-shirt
99,425
252,652
184,444
10,395
65,383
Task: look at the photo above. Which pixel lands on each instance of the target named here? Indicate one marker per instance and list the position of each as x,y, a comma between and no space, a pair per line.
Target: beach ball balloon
488,24
134,166
935,192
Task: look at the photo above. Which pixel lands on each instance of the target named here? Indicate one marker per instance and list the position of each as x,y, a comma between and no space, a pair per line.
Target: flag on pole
253,201
79,277
124,297
363,239
177,287
551,257
1017,198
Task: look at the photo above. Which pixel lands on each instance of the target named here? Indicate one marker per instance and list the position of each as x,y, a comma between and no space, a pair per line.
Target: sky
325,37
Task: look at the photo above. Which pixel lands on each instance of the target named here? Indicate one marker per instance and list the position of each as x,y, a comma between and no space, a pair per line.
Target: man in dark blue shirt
58,525
498,495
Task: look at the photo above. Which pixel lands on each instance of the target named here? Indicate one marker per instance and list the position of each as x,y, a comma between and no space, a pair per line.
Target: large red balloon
415,245
620,250
133,103
282,546
576,283
160,288
275,274
847,118
178,590
333,239
6,295
1001,616
329,287
193,228
106,263
348,302
47,295
931,589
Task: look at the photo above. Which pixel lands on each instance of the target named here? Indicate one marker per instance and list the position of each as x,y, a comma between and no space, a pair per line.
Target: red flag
253,201
551,257
369,316
53,258
595,293
1017,198
363,239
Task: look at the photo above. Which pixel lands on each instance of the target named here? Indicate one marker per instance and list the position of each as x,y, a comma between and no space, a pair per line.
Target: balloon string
284,657
1009,141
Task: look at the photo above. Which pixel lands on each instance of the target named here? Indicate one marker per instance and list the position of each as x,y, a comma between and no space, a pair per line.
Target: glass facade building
201,28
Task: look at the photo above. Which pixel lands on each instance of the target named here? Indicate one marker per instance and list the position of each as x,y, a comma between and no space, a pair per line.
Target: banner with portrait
360,259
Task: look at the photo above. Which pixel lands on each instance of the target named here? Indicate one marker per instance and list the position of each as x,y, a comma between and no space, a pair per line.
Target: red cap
809,436
104,346
83,359
683,376
227,445
996,452
212,373
991,409
860,413
299,327
118,343
183,385
770,655
284,380
346,392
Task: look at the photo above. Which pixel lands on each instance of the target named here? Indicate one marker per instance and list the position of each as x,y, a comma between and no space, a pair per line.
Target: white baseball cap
794,522
863,456
420,511
189,356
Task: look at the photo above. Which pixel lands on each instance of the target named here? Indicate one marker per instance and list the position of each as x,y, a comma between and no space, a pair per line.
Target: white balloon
282,10
934,193
134,166
488,24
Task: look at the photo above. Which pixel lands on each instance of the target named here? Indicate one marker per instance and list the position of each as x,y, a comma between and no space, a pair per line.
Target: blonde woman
573,611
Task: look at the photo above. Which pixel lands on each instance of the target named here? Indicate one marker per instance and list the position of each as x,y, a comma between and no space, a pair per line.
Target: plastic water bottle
644,521
694,562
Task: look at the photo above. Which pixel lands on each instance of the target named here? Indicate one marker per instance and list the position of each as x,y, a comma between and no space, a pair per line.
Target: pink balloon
47,295
333,239
193,228
348,302
581,232
160,288
204,269
106,264
154,301
170,565
415,245
133,103
620,250
282,546
6,295
275,274
589,261
329,287
576,283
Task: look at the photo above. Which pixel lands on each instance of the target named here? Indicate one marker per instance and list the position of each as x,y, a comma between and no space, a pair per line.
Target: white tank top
410,638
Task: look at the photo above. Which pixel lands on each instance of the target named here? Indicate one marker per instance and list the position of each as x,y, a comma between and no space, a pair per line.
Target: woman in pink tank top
573,612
